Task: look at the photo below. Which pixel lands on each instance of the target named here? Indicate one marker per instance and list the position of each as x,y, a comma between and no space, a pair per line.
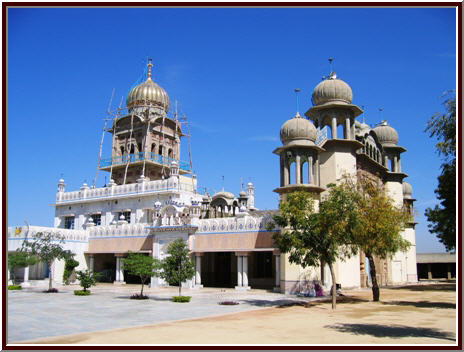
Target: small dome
407,190
297,128
386,134
332,90
223,194
242,194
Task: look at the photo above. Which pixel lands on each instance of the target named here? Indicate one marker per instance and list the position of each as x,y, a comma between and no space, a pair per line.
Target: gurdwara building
152,199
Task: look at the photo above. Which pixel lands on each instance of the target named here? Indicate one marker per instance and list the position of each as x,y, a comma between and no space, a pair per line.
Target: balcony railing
159,159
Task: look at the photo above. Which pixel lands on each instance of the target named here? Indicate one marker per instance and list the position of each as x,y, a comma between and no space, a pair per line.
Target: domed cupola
386,134
407,190
332,90
297,128
148,93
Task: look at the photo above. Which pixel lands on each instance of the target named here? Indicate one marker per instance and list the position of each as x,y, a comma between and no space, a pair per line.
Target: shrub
81,293
181,299
87,278
138,296
14,287
69,265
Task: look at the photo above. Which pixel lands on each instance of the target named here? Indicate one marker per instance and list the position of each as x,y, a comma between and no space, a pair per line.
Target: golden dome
148,93
332,90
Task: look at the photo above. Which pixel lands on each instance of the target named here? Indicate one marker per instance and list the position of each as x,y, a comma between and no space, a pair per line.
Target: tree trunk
375,285
334,286
141,292
50,278
180,285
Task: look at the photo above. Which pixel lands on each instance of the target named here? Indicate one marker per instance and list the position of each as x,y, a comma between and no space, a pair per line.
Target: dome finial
150,65
297,90
331,59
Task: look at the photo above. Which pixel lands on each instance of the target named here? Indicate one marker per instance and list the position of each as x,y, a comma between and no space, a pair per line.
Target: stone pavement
33,314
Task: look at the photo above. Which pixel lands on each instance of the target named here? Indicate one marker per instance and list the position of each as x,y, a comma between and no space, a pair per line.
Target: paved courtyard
33,314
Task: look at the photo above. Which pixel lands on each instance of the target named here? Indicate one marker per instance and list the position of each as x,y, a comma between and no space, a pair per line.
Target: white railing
234,224
119,230
113,190
29,232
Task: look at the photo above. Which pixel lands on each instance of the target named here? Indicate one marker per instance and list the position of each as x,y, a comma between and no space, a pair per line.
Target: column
277,271
197,270
347,128
245,271
310,170
118,264
334,127
121,271
429,271
282,172
385,161
448,267
298,169
399,164
316,172
239,271
395,164
26,275
91,262
286,172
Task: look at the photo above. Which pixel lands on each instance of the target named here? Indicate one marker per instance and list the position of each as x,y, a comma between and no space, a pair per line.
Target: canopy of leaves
87,278
177,266
141,265
310,236
19,259
47,247
378,231
442,217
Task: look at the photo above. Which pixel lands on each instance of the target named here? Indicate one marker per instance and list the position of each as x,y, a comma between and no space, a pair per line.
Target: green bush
14,287
181,299
81,292
69,265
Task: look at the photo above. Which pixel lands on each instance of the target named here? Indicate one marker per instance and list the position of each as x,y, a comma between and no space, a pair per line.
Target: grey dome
407,190
223,194
297,128
386,134
332,90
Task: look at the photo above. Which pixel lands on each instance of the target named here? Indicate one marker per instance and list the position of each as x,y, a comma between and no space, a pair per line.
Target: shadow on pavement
423,304
281,303
399,331
431,287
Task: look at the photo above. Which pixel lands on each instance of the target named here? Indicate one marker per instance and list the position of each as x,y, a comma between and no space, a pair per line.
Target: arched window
305,173
340,132
153,148
122,150
132,149
170,153
292,173
139,146
160,150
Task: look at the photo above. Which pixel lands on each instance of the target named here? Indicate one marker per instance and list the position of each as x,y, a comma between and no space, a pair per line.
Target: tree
442,218
313,237
177,266
87,278
17,260
69,265
142,266
45,250
379,225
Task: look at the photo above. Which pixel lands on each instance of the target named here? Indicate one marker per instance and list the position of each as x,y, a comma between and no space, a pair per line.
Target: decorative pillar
282,172
277,272
395,164
310,170
316,172
385,161
245,271
399,164
347,128
119,271
429,271
26,275
334,127
198,270
298,169
239,271
91,262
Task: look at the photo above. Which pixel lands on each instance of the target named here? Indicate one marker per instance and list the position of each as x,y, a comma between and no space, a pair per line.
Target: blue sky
233,72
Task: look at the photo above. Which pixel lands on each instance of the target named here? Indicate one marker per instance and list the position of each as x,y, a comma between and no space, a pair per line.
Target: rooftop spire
150,65
297,90
331,59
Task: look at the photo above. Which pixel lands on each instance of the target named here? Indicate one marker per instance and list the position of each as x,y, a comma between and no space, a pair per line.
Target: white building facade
152,199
